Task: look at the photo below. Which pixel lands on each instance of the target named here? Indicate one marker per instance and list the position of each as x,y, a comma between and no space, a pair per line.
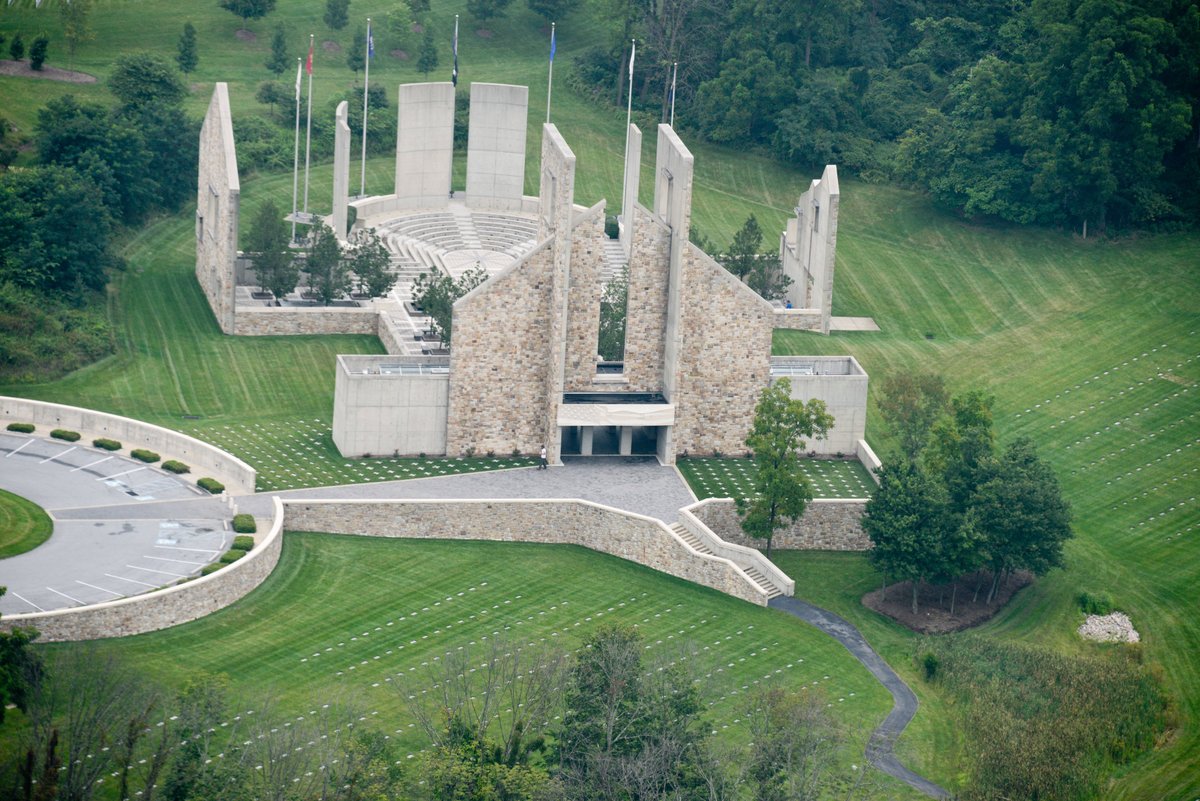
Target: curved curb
879,748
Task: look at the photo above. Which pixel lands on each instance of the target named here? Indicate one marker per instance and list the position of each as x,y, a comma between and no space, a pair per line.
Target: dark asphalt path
904,706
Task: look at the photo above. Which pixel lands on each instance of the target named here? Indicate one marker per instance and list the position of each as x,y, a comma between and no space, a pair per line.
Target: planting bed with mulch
933,603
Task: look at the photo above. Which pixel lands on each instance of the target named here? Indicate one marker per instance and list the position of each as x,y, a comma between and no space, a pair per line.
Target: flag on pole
298,74
454,73
553,47
370,41
308,64
632,53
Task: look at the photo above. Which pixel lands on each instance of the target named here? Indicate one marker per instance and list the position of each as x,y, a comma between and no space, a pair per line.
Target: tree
328,273
20,666
356,55
187,57
37,53
267,242
278,61
369,262
910,402
274,94
435,293
1021,515
8,145
906,520
767,277
141,80
744,248
552,10
614,302
249,9
483,10
793,745
961,447
16,48
337,14
427,58
76,24
781,490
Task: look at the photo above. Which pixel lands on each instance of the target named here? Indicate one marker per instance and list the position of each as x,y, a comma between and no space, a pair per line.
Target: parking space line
68,597
164,572
180,561
93,464
14,450
114,475
181,548
131,581
102,589
55,456
26,600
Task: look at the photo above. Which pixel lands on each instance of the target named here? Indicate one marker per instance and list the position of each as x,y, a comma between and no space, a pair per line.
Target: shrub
213,568
62,433
106,444
243,542
1095,603
22,428
930,663
232,555
211,484
143,455
612,228
244,524
175,466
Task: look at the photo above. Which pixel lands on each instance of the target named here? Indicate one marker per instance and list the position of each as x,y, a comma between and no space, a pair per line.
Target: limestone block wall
281,320
203,458
377,413
629,536
826,525
499,373
496,145
424,143
583,302
646,311
798,319
724,360
218,197
389,334
163,608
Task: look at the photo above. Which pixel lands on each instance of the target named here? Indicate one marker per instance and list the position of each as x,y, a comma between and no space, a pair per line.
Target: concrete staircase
614,260
757,576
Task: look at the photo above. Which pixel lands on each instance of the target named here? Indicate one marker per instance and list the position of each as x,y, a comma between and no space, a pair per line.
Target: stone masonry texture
826,525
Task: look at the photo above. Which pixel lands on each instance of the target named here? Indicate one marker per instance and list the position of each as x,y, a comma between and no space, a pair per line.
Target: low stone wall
203,458
798,319
826,525
163,608
284,321
634,537
389,335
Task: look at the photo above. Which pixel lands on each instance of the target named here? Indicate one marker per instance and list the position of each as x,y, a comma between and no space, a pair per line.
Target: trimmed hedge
243,543
106,444
143,455
64,434
211,484
213,568
232,555
244,524
22,428
175,466
1095,603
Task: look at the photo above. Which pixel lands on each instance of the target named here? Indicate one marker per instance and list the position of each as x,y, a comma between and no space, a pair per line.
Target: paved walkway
904,702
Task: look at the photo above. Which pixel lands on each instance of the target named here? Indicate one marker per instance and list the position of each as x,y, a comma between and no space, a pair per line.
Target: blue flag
552,44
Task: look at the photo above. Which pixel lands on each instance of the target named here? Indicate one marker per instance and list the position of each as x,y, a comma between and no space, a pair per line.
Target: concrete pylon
341,169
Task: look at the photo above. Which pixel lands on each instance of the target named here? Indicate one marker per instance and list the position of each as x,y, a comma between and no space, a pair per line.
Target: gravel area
1109,628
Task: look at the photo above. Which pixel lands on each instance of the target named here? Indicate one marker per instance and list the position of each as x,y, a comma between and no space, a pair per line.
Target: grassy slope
1026,314
23,525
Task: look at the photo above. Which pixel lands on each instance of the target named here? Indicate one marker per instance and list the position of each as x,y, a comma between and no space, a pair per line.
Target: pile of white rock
1109,628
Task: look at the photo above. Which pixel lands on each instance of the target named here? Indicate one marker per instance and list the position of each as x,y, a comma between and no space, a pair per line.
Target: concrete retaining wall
826,525
164,608
571,522
203,458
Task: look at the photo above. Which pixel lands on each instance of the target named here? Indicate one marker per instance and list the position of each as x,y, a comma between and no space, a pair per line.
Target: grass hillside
1091,347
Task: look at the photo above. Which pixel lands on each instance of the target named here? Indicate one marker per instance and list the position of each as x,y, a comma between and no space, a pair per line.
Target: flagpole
550,84
628,122
362,181
296,151
454,72
308,134
674,72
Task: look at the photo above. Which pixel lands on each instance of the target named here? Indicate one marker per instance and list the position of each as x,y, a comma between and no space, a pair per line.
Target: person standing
544,464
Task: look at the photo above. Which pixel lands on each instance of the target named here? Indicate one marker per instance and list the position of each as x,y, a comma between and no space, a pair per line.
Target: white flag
298,68
632,53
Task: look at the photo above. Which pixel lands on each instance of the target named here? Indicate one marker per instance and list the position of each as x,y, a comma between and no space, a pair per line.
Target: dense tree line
1057,112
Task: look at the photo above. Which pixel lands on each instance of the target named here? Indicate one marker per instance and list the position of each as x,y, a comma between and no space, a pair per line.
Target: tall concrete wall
218,195
341,169
673,207
633,175
496,145
203,458
841,383
424,143
380,413
809,245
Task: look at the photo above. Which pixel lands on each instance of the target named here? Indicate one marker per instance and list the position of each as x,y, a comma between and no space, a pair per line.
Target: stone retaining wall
826,525
163,608
630,536
203,458
282,321
797,319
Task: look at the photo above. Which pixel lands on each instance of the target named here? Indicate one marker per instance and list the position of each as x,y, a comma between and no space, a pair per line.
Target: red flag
308,65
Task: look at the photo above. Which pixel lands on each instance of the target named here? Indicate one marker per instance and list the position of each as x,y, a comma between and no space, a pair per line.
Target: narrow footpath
880,751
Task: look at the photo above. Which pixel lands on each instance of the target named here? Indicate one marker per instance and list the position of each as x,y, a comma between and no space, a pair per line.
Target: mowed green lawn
23,525
365,615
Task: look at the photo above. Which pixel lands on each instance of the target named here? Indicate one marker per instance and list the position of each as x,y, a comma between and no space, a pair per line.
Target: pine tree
356,56
337,13
278,61
37,52
17,48
427,60
187,58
